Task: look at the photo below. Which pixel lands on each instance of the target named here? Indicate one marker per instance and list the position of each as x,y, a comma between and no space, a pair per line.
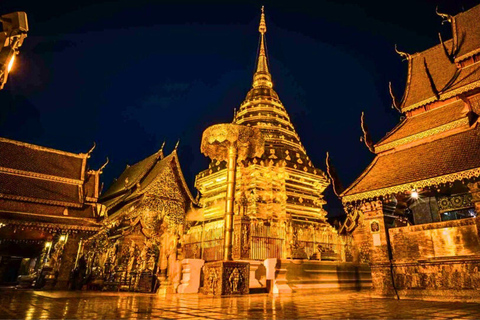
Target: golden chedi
279,194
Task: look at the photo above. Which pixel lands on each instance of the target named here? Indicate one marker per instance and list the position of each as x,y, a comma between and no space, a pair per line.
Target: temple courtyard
15,304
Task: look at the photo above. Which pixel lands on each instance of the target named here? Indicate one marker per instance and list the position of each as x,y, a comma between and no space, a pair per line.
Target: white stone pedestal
191,270
280,284
254,265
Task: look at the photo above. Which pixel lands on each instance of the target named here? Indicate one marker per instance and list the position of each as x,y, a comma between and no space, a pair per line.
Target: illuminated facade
138,247
413,211
278,197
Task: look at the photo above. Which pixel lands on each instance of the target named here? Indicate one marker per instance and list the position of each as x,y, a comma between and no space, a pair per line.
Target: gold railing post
228,229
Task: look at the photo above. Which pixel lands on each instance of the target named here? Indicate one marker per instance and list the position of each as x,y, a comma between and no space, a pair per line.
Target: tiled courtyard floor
94,305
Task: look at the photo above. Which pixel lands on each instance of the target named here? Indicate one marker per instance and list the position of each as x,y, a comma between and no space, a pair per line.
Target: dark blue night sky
131,74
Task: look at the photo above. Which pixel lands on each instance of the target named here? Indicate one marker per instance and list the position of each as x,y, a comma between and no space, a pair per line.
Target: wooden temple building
139,245
48,203
413,212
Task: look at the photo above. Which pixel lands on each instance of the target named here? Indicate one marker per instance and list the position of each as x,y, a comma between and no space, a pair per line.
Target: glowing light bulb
62,238
10,63
48,244
414,194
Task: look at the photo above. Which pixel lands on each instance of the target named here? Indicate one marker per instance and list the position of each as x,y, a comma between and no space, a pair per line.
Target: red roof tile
467,32
27,157
452,154
425,121
13,186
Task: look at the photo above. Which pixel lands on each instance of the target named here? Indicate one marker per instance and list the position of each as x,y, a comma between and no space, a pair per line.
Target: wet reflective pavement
95,305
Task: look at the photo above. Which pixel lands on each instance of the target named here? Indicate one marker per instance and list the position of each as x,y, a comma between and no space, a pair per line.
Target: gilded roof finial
160,151
402,54
100,170
91,149
446,17
262,28
262,76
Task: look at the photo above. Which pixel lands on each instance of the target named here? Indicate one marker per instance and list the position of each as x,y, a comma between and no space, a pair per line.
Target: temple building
48,203
139,245
413,211
278,208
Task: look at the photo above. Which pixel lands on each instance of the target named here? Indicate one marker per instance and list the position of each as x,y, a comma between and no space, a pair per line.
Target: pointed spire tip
262,75
262,28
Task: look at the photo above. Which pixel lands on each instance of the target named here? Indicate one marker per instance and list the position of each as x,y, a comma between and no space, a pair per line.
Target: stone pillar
241,238
68,261
373,234
191,271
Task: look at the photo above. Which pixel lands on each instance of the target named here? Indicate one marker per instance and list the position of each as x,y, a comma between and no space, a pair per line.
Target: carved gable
167,185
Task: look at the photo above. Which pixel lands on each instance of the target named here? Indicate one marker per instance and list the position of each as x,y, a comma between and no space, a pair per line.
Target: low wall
437,261
311,274
436,240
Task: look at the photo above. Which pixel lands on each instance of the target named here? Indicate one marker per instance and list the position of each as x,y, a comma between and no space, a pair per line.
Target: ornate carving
444,96
456,202
217,139
226,278
424,134
467,174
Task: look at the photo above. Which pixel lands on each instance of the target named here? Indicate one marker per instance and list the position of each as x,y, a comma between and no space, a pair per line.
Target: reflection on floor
94,305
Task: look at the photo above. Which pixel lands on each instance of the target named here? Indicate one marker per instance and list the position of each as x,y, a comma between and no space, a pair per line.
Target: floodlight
414,194
15,28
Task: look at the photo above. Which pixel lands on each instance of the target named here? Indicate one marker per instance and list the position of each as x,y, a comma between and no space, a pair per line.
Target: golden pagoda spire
262,76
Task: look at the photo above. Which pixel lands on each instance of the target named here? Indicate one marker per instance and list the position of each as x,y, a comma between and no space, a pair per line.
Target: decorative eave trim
423,134
49,225
91,199
41,176
32,216
444,96
467,55
466,174
40,148
44,201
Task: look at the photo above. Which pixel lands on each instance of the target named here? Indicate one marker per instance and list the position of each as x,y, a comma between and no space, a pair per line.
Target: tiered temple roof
437,141
136,180
43,186
446,69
